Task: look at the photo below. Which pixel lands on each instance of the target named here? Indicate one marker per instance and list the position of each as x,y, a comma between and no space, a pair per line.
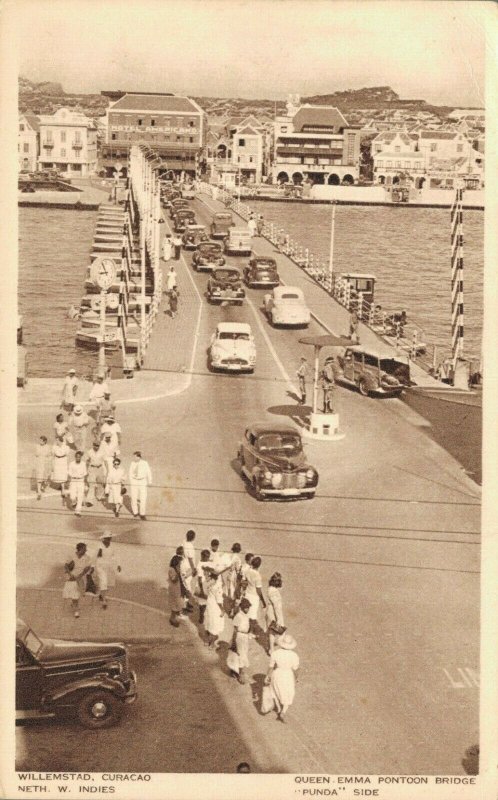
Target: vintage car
208,256
182,218
285,305
238,242
193,236
57,677
225,286
374,371
261,273
232,347
176,205
221,224
272,459
188,192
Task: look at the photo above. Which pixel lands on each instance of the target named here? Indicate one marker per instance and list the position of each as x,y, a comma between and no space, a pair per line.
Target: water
408,249
54,251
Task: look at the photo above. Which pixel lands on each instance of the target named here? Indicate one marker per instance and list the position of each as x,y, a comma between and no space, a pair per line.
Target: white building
247,152
68,143
28,145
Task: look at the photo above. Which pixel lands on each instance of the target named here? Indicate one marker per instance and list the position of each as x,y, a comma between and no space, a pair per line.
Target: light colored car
232,347
285,305
239,242
374,371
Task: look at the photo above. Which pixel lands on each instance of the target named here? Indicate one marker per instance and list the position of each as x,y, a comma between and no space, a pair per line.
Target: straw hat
78,410
286,641
106,535
71,372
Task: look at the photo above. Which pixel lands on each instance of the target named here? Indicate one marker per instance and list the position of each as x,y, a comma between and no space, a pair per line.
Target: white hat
71,371
286,641
77,410
106,535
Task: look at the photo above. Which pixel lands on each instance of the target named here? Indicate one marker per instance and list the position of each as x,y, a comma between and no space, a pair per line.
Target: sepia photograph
251,280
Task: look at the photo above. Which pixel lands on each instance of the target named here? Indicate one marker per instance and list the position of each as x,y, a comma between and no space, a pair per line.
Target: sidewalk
51,616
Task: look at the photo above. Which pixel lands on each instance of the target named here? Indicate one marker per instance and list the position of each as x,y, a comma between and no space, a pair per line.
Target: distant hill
46,97
375,98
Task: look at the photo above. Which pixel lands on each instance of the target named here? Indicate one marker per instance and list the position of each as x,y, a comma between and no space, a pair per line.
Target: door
348,368
29,679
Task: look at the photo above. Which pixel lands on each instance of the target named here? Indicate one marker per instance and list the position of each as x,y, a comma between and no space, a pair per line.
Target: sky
425,49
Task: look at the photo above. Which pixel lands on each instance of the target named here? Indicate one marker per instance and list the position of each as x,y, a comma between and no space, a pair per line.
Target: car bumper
292,322
131,689
226,298
288,492
232,367
262,284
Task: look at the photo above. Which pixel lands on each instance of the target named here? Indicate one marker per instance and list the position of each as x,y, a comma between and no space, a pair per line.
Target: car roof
223,214
227,268
265,427
263,260
377,352
280,290
234,327
196,227
357,275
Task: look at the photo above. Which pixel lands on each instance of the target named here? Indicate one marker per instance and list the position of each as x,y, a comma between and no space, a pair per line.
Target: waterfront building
173,125
68,143
28,145
315,144
242,144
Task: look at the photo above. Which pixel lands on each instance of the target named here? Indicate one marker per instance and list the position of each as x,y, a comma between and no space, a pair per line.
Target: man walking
327,381
354,322
95,477
77,481
167,247
252,225
177,244
140,478
69,390
302,373
189,553
171,280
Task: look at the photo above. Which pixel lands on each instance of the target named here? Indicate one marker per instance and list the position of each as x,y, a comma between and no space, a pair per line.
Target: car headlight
267,475
276,479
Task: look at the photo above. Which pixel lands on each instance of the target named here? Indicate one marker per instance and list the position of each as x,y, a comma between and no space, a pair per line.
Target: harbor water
407,249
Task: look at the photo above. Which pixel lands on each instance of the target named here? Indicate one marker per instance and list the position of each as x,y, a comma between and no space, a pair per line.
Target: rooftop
319,117
155,102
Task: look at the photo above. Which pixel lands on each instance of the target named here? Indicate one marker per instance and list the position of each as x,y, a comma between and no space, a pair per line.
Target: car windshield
30,639
265,265
210,249
226,274
223,218
393,367
279,442
234,335
289,296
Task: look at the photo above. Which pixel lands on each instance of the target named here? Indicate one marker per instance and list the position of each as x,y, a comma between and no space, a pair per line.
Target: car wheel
363,387
99,709
257,490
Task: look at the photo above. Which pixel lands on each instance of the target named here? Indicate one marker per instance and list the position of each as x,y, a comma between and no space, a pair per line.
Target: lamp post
331,255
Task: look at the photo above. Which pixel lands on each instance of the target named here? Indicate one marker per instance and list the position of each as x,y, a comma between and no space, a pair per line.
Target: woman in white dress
114,486
106,566
234,573
274,611
214,621
240,640
283,664
43,466
78,423
76,571
60,466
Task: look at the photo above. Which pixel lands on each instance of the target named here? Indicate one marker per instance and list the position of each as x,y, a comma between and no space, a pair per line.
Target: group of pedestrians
225,586
96,473
87,574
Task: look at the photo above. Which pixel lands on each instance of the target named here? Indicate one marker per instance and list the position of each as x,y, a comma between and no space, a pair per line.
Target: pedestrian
171,280
76,569
112,428
60,464
253,226
234,573
189,553
69,390
140,478
283,664
327,383
77,472
215,613
96,474
114,488
302,374
201,592
43,465
175,591
61,428
254,592
215,554
107,409
78,425
281,240
186,581
177,245
106,566
98,391
173,303
260,224
107,450
354,323
240,638
167,247
243,768
274,611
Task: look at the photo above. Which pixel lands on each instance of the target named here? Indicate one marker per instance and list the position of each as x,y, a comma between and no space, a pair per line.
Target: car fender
370,382
97,682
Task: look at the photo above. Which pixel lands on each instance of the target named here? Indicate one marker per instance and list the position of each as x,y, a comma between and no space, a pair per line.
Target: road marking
467,679
271,348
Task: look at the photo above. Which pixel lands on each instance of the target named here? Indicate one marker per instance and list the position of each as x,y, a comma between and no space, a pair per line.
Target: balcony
77,145
48,144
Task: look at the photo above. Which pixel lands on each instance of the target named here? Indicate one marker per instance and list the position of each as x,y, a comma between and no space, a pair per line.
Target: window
152,122
397,149
63,136
49,136
459,148
191,123
433,147
140,121
191,139
77,136
242,142
250,159
25,147
63,152
21,127
380,163
113,136
407,164
418,165
398,164
389,163
179,139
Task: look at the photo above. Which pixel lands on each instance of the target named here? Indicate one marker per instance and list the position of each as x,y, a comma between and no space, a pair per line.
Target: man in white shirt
69,390
189,554
254,591
114,429
99,389
252,225
140,478
171,280
77,472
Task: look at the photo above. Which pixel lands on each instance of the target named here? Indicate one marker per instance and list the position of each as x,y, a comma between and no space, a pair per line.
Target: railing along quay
403,335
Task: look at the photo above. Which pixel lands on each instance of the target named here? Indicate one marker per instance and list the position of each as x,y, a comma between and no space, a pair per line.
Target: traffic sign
103,272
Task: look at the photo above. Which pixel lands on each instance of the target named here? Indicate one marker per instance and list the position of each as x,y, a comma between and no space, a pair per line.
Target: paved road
381,584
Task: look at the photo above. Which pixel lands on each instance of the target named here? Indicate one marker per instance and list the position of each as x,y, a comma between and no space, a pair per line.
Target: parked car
193,236
208,256
221,224
272,459
238,242
176,205
188,192
285,305
261,272
225,285
89,679
182,218
232,347
374,371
